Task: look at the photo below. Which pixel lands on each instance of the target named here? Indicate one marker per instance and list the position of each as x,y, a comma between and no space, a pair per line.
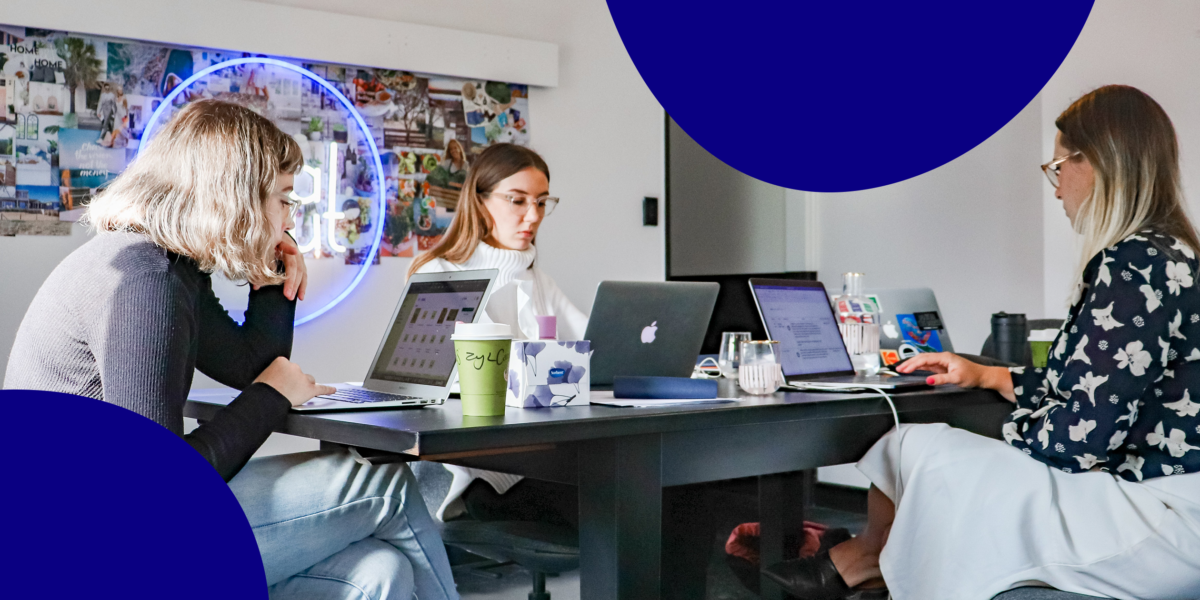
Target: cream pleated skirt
976,517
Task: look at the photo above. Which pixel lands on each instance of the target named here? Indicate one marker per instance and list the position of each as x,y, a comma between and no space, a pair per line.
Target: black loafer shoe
879,593
812,578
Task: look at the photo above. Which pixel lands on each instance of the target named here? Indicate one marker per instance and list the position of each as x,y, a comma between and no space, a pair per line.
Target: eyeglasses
521,203
1052,168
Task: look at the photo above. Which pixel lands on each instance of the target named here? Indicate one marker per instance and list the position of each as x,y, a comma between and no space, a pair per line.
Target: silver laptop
797,314
644,328
414,365
912,321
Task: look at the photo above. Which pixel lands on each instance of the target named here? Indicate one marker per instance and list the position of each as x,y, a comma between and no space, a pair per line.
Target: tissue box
547,373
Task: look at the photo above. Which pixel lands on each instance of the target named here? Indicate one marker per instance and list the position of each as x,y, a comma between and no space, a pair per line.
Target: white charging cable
817,387
811,386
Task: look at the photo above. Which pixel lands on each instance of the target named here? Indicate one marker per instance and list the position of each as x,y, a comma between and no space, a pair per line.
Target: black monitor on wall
735,310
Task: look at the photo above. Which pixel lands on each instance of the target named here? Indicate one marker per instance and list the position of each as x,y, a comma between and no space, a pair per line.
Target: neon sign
323,223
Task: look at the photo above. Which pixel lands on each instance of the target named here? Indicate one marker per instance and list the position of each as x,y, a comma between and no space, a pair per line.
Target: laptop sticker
922,340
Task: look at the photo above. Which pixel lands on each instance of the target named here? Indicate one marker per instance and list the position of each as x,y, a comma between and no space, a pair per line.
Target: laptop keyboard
363,396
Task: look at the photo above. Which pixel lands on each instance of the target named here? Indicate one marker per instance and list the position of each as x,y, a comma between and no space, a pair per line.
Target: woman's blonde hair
200,189
472,221
1131,145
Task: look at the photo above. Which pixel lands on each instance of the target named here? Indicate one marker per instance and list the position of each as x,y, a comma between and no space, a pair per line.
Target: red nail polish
929,380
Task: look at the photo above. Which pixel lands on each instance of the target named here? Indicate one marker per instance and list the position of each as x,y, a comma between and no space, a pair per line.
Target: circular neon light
380,200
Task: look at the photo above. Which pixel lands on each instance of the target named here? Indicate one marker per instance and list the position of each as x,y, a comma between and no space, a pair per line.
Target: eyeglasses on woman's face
521,204
1053,168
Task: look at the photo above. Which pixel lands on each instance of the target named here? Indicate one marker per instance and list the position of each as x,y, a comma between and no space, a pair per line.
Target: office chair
540,548
1039,593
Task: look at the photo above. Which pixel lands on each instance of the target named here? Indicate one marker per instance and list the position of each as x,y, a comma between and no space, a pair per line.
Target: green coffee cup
1040,341
482,351
1039,352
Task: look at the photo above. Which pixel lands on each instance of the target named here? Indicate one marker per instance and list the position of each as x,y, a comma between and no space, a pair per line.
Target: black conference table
622,458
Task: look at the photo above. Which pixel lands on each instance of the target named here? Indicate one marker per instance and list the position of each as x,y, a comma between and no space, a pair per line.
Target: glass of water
760,371
862,342
731,352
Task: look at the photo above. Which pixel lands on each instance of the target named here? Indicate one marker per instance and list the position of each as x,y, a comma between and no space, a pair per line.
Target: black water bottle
1008,336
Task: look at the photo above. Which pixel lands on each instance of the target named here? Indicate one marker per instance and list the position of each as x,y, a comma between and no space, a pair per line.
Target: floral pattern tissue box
547,373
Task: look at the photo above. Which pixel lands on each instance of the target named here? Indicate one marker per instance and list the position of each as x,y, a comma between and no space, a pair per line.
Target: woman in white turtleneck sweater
502,204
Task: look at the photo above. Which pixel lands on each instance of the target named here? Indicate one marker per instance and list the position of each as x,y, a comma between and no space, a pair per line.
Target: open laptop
797,314
645,328
912,321
414,365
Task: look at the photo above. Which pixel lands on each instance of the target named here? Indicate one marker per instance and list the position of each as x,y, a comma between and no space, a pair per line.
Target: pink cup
547,327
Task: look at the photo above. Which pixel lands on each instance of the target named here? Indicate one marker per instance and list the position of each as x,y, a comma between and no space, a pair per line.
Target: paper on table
607,399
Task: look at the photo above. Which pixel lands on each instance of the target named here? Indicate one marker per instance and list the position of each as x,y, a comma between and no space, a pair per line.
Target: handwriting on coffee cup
477,360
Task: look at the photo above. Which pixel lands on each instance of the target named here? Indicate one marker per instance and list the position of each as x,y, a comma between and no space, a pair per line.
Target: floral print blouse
1116,391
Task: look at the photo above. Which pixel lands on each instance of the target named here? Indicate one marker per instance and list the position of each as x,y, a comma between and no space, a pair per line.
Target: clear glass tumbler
731,352
760,371
862,343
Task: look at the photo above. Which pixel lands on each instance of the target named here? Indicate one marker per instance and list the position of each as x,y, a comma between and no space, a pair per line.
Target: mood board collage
74,109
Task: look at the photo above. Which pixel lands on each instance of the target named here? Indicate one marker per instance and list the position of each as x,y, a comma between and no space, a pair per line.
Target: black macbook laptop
647,328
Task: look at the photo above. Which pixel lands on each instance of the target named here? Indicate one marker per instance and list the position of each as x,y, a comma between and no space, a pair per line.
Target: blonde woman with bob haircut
127,317
1095,488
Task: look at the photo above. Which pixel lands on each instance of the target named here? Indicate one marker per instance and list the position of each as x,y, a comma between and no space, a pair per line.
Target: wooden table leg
620,518
782,502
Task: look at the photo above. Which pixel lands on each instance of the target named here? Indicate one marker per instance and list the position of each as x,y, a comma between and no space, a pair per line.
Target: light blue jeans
330,527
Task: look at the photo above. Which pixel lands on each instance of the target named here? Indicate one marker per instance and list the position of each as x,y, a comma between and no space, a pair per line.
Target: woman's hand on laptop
949,368
288,379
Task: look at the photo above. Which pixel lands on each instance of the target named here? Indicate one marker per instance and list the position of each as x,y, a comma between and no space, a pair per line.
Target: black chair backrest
734,310
989,346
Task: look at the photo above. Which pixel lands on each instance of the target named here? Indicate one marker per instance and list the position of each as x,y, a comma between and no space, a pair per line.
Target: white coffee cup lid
1043,335
481,331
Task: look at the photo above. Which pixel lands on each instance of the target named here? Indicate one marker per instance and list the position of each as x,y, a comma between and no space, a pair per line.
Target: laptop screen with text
418,348
800,319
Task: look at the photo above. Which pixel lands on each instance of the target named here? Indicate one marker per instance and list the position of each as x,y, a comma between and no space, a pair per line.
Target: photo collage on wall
73,109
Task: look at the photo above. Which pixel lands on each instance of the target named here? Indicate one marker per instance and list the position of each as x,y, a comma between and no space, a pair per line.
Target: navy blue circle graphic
103,502
841,96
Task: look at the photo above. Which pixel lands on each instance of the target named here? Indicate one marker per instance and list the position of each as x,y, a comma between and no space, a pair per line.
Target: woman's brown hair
1131,145
200,189
472,221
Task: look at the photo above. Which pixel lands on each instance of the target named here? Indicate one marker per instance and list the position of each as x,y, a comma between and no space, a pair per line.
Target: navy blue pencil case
663,388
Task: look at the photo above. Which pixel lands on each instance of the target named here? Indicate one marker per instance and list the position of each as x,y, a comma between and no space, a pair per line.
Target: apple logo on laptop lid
648,332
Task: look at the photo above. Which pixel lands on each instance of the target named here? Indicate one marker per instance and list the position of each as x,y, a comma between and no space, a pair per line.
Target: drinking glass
862,342
760,371
731,352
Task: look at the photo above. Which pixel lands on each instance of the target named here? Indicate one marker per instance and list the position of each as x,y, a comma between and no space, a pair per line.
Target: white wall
1151,46
600,130
970,230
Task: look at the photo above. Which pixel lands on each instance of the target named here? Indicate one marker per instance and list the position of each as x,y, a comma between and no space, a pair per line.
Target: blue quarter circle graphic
103,502
377,163
836,96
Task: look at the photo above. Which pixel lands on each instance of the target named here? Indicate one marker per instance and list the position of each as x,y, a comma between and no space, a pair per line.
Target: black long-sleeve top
1116,391
124,321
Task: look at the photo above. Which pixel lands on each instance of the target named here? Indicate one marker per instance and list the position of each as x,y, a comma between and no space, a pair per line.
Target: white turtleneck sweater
520,292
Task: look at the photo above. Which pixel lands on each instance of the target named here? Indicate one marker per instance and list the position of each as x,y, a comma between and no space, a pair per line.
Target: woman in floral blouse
1097,490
